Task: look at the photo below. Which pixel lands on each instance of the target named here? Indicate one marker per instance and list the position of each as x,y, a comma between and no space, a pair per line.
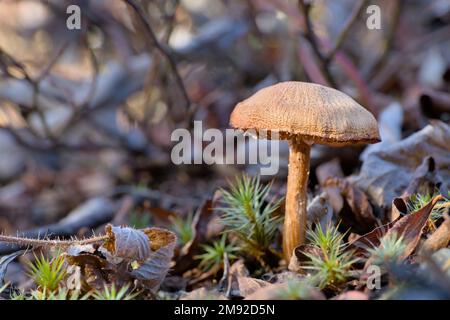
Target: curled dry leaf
387,173
94,270
152,272
399,208
369,240
5,261
127,243
409,227
128,254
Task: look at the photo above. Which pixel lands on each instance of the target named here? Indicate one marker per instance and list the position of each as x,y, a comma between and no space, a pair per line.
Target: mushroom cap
313,112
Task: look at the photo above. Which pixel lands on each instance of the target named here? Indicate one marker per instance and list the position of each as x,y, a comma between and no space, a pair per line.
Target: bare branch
163,50
311,37
356,12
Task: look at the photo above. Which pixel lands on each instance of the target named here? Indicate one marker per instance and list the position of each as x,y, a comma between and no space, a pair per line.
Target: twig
30,242
356,12
163,50
91,214
311,37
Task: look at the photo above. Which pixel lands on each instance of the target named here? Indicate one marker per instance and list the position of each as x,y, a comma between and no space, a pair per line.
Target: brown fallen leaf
409,227
331,169
399,208
242,285
152,272
360,217
93,270
387,173
127,243
127,254
369,240
440,238
425,179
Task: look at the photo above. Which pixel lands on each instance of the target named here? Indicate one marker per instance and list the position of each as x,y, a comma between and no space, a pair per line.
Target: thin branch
356,12
162,49
311,37
29,242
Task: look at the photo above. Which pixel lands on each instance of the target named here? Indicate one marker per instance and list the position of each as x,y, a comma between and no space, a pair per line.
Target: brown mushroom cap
316,113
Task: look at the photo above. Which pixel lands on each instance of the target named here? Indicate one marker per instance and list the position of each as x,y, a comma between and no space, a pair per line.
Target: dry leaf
331,169
387,173
127,243
440,238
360,217
242,284
129,254
424,180
95,271
5,261
369,240
399,208
153,271
410,226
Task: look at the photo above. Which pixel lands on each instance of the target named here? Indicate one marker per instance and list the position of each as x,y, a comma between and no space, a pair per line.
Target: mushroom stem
295,215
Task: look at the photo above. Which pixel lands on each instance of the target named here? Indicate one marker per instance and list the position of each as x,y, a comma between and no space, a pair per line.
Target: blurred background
87,114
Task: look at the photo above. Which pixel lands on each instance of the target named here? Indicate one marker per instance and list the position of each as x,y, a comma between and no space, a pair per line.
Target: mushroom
304,114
